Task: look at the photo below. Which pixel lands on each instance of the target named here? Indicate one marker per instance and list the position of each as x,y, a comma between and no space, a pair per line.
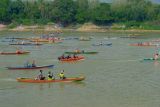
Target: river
115,77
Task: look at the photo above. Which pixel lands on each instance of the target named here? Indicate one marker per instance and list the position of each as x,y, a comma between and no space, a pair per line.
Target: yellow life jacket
50,78
61,75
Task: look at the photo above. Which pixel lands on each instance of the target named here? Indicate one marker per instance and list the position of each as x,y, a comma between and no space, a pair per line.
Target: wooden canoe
14,53
31,80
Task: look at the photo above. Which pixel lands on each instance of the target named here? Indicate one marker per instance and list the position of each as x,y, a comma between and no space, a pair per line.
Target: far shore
89,28
86,30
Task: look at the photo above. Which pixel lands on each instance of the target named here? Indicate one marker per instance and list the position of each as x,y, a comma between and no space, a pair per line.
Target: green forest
131,13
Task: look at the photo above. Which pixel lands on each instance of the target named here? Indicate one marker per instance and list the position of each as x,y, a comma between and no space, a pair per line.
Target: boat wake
53,60
8,79
119,60
130,60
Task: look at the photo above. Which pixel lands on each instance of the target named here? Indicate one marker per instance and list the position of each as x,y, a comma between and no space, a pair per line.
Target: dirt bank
88,27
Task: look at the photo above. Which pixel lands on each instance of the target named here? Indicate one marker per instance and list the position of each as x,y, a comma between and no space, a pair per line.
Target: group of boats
33,80
72,56
81,52
153,43
38,42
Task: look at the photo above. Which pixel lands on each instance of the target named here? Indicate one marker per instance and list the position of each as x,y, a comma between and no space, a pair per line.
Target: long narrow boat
84,39
26,44
143,44
30,67
72,59
47,41
128,37
14,53
31,80
102,44
81,52
150,59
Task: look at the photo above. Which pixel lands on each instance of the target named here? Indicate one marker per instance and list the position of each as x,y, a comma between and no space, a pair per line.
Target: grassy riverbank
88,27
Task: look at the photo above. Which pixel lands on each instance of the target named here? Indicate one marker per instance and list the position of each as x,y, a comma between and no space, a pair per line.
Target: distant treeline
68,12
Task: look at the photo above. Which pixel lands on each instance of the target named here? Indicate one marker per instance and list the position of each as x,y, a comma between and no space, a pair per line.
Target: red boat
143,44
72,59
14,53
30,80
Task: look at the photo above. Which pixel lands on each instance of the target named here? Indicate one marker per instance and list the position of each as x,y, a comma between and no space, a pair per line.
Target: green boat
150,59
81,52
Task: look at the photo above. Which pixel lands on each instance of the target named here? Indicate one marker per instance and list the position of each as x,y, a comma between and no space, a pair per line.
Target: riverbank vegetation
120,14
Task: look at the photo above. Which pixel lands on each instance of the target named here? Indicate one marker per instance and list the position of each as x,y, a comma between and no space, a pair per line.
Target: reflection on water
61,85
156,63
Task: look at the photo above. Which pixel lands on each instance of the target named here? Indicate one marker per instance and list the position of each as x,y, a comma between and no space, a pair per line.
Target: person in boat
33,63
63,56
75,56
27,64
40,76
156,56
81,38
61,75
18,51
100,43
77,51
69,56
23,42
50,76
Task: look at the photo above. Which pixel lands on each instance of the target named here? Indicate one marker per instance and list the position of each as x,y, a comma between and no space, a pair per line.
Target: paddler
156,56
50,76
61,75
18,51
77,51
40,76
74,56
33,63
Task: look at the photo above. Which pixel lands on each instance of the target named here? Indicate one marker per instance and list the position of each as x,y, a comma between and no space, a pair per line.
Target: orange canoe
72,59
30,80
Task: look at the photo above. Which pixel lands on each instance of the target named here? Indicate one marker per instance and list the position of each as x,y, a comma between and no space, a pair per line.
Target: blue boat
30,67
102,44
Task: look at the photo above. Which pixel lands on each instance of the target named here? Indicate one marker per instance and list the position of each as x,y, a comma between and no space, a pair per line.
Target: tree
64,11
4,16
16,9
130,10
102,14
82,14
